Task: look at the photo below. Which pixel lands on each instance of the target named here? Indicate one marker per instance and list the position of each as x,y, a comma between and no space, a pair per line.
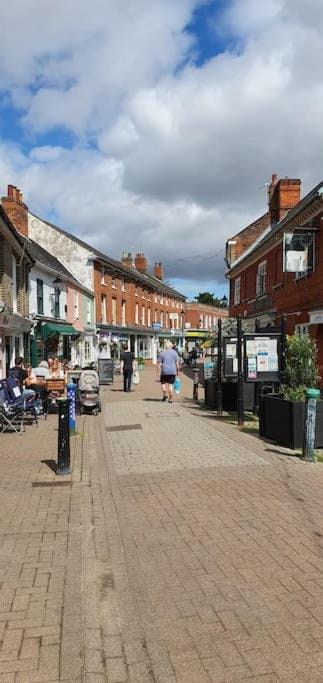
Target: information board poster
262,357
209,369
230,357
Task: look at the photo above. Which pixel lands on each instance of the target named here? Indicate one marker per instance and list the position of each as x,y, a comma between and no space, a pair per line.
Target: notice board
262,357
230,356
105,370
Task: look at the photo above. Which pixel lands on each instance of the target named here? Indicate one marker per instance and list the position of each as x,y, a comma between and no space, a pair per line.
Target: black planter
229,395
283,421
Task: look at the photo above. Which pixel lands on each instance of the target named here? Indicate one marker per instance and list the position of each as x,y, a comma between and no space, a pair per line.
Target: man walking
168,363
127,366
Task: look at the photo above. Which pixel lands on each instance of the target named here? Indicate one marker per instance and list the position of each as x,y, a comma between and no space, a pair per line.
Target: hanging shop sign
298,252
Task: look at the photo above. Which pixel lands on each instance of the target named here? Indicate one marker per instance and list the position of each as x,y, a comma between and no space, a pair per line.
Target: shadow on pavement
51,464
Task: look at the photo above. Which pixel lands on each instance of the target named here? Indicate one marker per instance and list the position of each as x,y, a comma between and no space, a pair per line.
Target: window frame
40,285
261,280
237,291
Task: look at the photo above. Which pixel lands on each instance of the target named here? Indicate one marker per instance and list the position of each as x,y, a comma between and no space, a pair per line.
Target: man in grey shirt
168,364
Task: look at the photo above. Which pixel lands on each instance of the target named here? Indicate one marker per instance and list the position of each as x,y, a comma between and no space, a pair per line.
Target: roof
316,193
144,278
15,233
40,255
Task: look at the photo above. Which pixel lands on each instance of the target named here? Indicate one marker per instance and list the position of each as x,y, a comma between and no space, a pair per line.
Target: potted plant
140,362
282,415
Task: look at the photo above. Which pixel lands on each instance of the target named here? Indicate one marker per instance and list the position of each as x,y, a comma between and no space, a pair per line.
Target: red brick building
135,305
201,320
259,287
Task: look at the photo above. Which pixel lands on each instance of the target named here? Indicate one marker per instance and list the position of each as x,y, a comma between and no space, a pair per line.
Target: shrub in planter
140,362
282,416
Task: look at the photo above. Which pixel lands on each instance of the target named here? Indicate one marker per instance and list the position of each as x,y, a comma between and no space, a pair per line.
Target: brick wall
15,209
196,315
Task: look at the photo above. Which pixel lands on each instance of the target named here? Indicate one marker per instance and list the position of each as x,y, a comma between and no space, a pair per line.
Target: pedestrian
168,364
127,366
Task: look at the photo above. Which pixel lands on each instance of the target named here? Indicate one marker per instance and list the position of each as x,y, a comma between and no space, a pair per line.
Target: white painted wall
49,293
70,253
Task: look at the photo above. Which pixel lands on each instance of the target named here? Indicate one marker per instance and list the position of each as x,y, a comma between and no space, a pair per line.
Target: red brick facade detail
200,316
16,210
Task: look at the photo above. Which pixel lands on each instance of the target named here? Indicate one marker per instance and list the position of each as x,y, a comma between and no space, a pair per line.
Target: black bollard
63,450
196,384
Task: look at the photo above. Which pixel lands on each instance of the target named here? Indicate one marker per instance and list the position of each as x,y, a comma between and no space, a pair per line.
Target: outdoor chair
11,414
15,399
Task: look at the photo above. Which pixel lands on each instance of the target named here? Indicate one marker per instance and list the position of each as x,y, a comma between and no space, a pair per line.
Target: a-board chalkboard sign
105,370
262,357
230,356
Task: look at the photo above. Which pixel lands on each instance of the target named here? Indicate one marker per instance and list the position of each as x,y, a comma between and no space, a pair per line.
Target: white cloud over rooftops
169,157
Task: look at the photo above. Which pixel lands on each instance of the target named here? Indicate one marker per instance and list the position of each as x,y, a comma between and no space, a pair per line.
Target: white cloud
168,158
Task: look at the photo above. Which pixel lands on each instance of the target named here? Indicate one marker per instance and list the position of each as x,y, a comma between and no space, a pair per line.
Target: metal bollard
63,450
312,395
71,395
196,384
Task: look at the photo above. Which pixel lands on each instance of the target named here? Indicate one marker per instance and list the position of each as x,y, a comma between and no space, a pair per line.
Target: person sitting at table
42,371
20,374
56,371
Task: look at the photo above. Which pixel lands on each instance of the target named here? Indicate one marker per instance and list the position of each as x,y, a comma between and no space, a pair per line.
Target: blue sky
152,126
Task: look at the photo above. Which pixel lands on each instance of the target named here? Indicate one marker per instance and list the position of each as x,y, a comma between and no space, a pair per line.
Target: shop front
14,340
52,339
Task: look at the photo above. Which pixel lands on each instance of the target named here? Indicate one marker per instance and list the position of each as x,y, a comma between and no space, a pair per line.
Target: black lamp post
224,301
57,291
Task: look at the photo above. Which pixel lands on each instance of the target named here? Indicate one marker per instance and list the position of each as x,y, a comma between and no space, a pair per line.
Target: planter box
283,421
229,395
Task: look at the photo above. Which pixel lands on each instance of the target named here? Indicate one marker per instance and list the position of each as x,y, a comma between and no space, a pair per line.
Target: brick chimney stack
159,271
127,259
283,196
141,263
15,209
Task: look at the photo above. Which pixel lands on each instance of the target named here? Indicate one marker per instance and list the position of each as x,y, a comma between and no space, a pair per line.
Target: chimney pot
141,262
159,270
15,209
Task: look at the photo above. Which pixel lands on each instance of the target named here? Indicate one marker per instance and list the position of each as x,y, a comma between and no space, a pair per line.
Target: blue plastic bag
177,385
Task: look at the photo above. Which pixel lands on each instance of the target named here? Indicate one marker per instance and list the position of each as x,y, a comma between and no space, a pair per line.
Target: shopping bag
136,377
177,385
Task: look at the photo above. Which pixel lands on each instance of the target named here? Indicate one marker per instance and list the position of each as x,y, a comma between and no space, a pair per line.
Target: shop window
237,287
40,296
261,278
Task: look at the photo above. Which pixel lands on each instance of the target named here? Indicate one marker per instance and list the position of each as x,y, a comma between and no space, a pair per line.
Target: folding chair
11,416
15,398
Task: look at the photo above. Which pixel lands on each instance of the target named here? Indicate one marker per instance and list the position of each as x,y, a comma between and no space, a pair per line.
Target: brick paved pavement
178,551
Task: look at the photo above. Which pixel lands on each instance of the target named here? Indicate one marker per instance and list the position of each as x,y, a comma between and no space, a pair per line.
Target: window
143,315
87,351
149,317
103,309
161,299
123,285
156,316
161,319
102,276
237,286
14,284
76,306
137,314
114,311
261,279
123,313
156,298
173,303
136,291
88,311
302,330
40,296
113,282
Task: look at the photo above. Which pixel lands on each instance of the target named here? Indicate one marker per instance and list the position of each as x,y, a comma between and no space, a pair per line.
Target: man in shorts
168,364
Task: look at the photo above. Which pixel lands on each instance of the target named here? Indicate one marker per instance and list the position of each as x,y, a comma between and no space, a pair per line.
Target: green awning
49,329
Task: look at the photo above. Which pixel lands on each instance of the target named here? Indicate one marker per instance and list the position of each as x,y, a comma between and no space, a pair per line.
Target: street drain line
123,428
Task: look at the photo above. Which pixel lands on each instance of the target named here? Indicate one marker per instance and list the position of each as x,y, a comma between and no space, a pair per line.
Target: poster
231,350
252,368
251,348
262,362
235,365
273,363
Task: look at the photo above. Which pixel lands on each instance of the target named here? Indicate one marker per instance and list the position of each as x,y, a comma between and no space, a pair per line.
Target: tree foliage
301,370
208,299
